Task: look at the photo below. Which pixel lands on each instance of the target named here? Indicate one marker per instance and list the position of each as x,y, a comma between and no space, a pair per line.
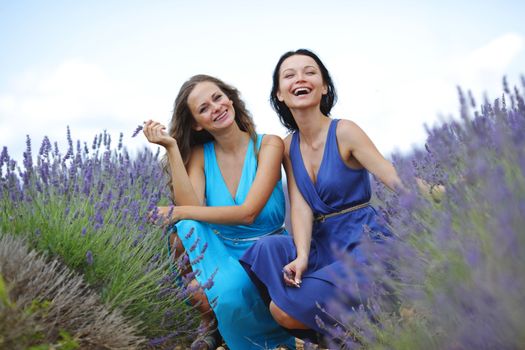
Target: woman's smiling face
301,83
210,106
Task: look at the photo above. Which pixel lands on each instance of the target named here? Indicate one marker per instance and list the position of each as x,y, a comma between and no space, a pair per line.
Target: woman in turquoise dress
327,163
225,181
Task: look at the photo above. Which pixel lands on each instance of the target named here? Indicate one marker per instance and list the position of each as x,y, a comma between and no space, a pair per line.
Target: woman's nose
300,77
214,106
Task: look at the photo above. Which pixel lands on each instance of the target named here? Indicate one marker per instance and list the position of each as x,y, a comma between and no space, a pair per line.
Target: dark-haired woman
225,180
327,162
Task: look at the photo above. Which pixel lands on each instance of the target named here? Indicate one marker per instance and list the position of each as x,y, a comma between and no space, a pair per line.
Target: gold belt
322,218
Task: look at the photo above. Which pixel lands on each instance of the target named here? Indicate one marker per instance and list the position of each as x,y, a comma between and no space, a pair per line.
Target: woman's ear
325,89
279,97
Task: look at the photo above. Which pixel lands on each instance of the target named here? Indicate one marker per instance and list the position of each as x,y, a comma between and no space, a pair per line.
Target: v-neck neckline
322,159
243,171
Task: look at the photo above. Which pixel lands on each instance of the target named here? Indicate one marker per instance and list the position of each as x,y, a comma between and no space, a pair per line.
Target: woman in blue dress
327,162
225,182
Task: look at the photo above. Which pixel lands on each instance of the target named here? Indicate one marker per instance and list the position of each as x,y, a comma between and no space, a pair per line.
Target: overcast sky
96,65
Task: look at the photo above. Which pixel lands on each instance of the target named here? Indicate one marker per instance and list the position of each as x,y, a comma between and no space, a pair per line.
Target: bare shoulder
287,141
349,132
346,126
272,140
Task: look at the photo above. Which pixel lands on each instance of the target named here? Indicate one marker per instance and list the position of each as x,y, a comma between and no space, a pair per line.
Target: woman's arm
188,184
351,137
268,173
302,221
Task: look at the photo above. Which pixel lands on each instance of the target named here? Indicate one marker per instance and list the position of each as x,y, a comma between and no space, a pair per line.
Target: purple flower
189,234
161,340
120,141
209,283
89,257
137,130
195,244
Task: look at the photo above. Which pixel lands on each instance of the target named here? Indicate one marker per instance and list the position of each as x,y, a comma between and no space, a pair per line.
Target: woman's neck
312,125
232,140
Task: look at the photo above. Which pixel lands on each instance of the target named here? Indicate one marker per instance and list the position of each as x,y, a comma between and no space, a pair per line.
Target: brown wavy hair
182,121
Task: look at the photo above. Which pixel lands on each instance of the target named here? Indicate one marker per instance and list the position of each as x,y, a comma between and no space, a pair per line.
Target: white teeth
219,116
301,91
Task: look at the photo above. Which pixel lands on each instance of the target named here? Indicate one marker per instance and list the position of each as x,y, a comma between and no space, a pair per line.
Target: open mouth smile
220,116
301,91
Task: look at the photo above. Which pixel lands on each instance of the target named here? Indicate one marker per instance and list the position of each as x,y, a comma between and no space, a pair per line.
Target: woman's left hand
293,271
436,192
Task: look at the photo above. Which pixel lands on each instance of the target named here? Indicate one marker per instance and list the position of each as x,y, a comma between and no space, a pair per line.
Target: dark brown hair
327,101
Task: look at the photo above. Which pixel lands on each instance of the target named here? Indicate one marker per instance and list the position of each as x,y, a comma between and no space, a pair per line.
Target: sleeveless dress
213,250
338,187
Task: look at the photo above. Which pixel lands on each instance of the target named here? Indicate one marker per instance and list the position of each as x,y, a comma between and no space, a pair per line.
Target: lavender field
81,267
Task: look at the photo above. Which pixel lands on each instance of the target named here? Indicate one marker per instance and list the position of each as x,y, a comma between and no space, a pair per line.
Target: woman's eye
217,97
203,109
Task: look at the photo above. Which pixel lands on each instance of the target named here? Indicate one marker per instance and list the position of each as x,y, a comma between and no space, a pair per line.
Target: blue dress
213,250
338,187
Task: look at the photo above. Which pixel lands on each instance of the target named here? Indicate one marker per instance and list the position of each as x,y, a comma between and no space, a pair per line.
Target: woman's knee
282,318
176,246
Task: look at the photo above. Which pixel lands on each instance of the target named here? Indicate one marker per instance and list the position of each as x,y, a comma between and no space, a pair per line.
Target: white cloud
389,100
75,93
485,66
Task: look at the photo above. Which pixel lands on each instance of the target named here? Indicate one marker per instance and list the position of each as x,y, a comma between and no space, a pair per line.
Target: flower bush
452,274
88,208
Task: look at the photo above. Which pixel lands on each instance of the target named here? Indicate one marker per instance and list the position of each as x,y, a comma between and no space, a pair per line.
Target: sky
110,65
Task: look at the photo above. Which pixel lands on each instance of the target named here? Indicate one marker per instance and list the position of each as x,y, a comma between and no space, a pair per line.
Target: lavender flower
137,130
454,263
89,257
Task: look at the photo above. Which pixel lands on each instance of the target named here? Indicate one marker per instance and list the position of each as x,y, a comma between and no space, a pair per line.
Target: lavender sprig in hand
137,130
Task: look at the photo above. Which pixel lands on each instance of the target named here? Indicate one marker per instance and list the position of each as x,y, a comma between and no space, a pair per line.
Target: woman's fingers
154,131
289,277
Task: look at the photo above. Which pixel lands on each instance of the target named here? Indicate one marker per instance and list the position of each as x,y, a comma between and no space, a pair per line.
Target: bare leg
200,301
198,298
208,323
284,319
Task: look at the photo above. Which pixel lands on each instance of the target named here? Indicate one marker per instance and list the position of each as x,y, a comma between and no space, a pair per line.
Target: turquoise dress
214,250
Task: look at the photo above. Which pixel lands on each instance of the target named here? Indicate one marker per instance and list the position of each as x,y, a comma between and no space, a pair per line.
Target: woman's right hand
294,271
156,133
163,216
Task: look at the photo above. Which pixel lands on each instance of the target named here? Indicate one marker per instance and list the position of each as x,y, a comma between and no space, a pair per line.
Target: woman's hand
436,192
156,133
164,216
294,271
